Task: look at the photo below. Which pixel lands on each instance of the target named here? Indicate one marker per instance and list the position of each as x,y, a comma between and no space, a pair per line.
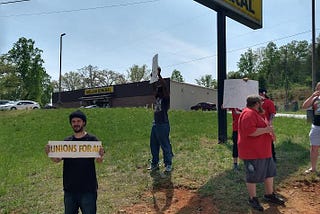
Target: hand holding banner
74,149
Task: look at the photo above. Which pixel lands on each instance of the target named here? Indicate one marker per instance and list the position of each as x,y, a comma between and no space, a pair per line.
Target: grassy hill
31,183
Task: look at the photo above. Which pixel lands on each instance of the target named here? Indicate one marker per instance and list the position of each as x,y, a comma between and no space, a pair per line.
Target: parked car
22,104
204,106
4,103
92,106
49,106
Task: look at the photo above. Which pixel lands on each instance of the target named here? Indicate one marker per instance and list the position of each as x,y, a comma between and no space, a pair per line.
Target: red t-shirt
253,147
269,108
235,118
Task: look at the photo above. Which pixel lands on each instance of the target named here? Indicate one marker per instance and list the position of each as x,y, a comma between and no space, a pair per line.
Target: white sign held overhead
236,92
154,73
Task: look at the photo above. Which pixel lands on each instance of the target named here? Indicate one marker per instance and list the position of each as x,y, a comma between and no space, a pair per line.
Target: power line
235,50
12,2
239,49
81,9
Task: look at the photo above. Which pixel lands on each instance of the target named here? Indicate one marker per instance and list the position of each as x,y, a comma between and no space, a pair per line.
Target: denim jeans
160,138
87,202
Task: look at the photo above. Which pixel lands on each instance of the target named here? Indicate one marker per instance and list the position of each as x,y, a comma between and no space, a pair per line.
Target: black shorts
257,170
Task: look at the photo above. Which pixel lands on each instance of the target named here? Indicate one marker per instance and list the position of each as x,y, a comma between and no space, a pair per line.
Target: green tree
177,76
9,81
207,81
298,52
33,79
47,88
89,77
138,74
234,75
269,65
248,64
112,77
71,81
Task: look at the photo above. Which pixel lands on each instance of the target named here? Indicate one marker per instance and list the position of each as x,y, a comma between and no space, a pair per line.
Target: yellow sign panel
252,8
247,12
103,90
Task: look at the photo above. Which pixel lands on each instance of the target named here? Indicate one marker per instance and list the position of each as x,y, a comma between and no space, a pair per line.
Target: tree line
281,67
22,75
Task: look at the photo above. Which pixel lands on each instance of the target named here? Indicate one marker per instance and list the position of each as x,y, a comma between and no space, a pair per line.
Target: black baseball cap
78,114
262,91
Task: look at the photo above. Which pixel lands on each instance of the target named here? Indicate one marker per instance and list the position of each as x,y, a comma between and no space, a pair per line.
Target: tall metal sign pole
222,75
314,74
249,13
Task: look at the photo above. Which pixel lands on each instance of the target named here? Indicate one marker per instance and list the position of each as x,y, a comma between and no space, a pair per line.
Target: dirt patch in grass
164,198
302,197
174,200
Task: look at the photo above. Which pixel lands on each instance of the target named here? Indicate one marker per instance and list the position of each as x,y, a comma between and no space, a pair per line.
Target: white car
4,104
92,106
21,104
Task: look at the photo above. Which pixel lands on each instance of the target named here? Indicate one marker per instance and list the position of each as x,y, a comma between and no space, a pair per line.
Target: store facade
138,94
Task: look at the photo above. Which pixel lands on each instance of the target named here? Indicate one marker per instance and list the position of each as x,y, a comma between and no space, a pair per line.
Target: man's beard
77,129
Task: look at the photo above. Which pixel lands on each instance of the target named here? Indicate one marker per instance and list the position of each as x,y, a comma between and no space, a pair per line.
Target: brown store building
138,94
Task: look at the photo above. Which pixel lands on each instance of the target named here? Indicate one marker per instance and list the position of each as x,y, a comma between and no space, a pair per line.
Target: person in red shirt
269,113
255,135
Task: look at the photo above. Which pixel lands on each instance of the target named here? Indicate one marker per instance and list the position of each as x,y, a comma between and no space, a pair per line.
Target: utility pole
314,75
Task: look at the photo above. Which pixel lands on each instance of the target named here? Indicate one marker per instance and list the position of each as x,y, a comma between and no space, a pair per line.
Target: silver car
4,104
21,104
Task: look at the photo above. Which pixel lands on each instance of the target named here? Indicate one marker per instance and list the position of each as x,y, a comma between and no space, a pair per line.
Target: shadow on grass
161,182
228,189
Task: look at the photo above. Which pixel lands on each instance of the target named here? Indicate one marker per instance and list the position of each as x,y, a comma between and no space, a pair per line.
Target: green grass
31,183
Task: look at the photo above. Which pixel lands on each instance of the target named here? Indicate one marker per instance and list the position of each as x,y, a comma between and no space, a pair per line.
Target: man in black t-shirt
79,174
161,128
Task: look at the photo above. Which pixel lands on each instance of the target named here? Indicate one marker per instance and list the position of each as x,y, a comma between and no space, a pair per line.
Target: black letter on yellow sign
245,3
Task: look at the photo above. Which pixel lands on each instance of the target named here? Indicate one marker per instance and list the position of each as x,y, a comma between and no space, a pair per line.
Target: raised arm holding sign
154,73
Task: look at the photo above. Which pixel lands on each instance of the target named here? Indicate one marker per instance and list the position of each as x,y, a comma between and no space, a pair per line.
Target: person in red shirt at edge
255,135
270,112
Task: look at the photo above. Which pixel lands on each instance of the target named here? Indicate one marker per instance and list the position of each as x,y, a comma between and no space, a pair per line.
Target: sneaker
273,198
255,204
308,171
153,167
168,168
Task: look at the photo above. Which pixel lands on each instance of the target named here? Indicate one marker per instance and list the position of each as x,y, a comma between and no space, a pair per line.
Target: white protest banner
74,149
236,91
154,73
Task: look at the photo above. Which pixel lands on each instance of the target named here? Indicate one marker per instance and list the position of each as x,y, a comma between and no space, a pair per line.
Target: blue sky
116,34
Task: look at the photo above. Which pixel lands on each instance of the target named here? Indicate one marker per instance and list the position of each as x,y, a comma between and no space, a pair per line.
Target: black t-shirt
316,111
161,108
79,174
